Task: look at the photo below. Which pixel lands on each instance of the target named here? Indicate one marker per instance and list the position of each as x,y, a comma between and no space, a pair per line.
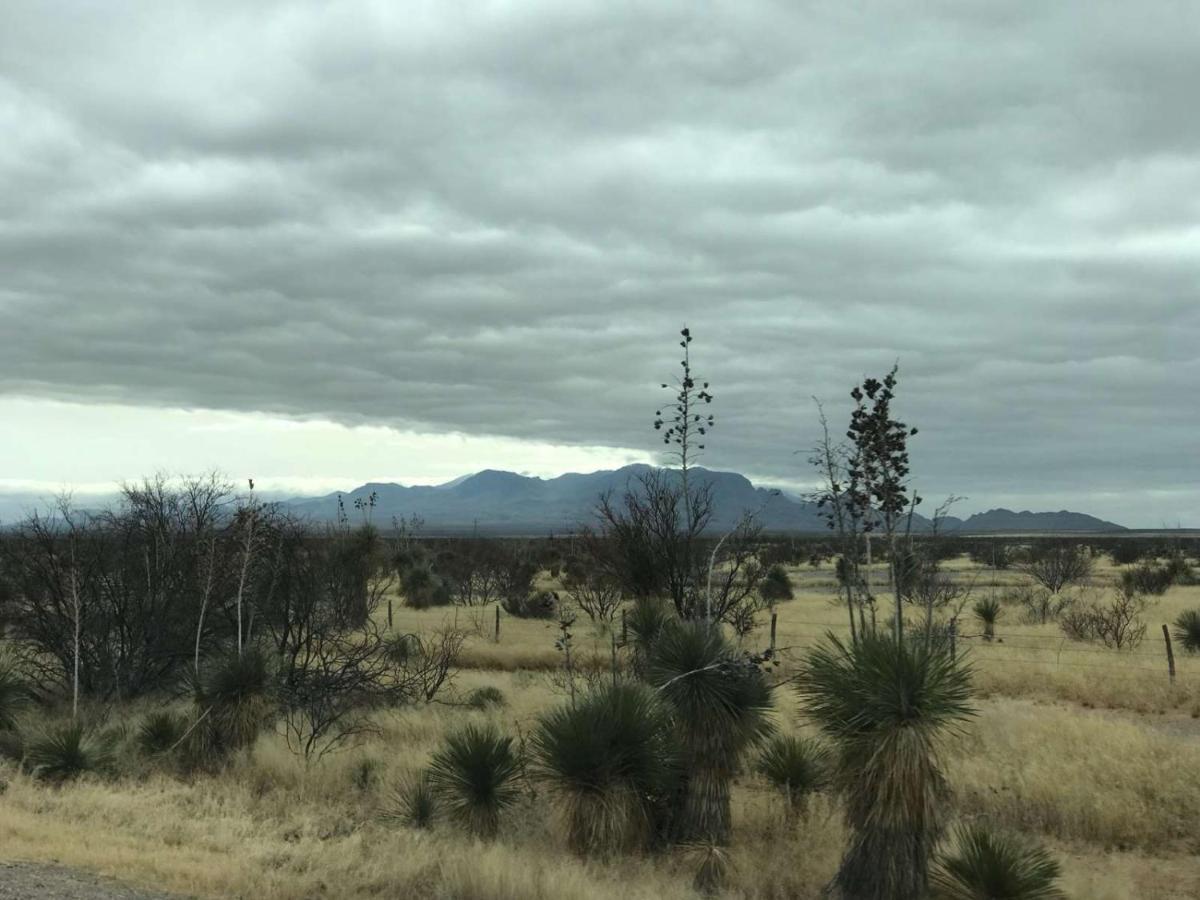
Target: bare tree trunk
212,561
247,549
76,610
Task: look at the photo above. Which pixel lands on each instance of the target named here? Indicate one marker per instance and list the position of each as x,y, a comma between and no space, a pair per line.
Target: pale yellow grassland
1089,750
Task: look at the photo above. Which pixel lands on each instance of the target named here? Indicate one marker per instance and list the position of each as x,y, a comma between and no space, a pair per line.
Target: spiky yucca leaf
796,766
992,865
609,760
473,775
14,695
1187,630
66,752
886,707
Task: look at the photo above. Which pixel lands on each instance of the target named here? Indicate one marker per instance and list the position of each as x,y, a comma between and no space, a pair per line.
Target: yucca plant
645,622
160,732
720,703
1187,630
992,865
608,759
416,803
486,697
796,766
776,585
712,866
474,775
988,611
14,695
66,752
232,701
886,706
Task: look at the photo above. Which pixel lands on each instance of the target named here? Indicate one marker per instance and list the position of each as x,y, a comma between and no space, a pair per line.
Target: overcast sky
325,243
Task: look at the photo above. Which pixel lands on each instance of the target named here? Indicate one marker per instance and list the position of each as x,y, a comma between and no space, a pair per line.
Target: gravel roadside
37,881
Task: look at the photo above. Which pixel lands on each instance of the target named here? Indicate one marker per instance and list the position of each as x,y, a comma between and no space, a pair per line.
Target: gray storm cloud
494,220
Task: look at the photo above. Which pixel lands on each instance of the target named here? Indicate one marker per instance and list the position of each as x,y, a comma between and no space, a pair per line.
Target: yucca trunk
705,812
607,822
885,864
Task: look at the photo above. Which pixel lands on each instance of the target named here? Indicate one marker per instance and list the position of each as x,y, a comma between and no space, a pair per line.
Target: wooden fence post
614,658
1170,654
774,619
497,623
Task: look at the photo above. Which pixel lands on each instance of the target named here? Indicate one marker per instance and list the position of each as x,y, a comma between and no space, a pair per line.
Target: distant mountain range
499,502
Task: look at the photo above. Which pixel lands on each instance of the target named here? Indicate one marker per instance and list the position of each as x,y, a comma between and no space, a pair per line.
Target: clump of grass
474,775
66,752
993,865
798,767
486,697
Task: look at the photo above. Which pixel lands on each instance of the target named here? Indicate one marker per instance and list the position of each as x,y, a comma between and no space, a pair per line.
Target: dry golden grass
1076,746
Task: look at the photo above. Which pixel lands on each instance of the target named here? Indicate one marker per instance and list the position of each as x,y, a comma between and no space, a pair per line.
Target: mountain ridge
498,501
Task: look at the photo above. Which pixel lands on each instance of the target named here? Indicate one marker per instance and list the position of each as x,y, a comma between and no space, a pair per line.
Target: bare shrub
1057,565
591,581
1117,624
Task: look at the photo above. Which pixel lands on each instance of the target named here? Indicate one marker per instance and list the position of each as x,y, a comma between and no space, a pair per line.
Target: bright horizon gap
103,444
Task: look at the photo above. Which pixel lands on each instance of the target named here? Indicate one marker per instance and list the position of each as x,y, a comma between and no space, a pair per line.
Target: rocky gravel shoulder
38,881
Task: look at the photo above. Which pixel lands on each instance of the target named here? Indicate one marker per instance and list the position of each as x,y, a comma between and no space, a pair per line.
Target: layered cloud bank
492,221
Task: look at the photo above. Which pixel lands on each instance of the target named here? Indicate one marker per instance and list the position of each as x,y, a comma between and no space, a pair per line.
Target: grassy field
1091,750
